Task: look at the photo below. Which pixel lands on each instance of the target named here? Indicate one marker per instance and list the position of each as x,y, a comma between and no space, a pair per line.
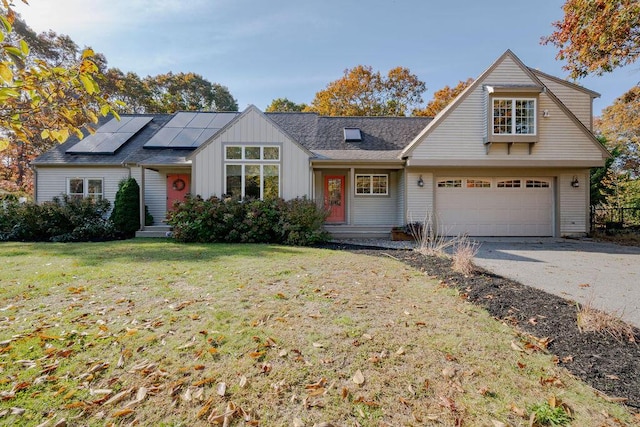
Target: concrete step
155,231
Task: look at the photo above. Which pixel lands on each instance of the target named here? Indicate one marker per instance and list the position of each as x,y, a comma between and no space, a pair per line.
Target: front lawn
151,332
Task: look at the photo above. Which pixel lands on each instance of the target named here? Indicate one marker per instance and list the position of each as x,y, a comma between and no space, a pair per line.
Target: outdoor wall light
545,113
420,182
574,182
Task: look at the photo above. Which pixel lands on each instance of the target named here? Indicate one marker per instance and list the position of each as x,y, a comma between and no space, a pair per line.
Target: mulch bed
608,365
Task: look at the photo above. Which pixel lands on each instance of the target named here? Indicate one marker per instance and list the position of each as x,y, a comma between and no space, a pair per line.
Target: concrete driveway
607,275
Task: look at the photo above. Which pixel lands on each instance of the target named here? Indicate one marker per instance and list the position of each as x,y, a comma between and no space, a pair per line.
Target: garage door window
512,183
450,183
532,183
478,183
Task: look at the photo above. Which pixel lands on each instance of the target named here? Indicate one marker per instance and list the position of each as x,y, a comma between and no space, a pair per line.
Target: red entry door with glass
334,198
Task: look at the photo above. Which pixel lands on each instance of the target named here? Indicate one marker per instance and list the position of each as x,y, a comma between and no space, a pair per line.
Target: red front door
178,185
334,198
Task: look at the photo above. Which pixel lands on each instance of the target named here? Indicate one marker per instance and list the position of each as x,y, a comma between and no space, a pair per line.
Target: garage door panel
495,211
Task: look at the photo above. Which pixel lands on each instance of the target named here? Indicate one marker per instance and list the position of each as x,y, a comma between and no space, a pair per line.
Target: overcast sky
263,50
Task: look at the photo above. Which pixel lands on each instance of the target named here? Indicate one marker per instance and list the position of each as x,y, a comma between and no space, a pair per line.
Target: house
510,156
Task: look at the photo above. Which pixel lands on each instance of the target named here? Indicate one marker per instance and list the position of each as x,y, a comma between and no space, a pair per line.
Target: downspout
35,184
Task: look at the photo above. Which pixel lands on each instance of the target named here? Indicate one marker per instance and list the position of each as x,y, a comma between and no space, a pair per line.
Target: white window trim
513,115
243,175
243,151
371,176
85,187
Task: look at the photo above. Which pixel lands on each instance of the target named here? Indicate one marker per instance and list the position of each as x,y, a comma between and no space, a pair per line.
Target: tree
363,92
283,105
128,89
40,98
187,91
597,36
620,126
442,98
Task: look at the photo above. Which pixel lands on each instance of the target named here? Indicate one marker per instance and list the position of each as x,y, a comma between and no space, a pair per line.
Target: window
251,152
512,183
512,116
372,184
450,183
478,183
85,187
532,183
252,171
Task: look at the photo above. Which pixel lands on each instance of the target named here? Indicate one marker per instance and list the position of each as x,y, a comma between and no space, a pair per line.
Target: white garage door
495,206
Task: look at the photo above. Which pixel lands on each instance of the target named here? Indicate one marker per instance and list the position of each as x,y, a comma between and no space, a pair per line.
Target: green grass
284,328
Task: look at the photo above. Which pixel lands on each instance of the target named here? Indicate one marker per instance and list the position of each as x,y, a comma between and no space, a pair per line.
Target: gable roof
382,137
441,116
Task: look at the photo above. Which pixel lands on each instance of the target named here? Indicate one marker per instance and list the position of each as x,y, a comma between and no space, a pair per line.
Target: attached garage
498,206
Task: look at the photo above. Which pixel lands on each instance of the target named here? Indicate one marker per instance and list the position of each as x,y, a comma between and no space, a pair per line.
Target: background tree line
50,89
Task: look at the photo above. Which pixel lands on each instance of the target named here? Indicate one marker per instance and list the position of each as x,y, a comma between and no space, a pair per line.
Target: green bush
62,219
126,208
293,222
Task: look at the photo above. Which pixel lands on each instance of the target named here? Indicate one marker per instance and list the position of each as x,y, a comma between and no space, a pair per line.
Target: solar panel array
189,129
109,137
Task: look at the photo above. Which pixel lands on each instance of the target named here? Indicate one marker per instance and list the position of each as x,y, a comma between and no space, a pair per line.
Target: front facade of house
509,157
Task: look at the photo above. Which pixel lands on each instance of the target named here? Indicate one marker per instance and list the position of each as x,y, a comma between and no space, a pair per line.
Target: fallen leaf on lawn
142,393
448,403
256,354
449,372
612,377
221,389
99,391
533,321
584,285
186,396
118,397
243,381
516,347
317,345
400,351
17,411
122,413
367,337
518,411
283,353
358,377
345,393
297,422
205,408
204,381
266,368
319,384
198,393
497,423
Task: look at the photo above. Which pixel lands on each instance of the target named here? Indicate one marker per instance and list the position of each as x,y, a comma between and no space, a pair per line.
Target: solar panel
189,129
110,136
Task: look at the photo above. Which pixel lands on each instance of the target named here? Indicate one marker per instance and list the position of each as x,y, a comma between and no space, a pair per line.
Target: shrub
126,208
62,219
294,222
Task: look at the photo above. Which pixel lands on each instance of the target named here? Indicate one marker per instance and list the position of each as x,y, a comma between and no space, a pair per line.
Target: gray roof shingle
382,139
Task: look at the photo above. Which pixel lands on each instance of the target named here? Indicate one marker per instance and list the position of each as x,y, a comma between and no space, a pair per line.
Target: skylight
352,135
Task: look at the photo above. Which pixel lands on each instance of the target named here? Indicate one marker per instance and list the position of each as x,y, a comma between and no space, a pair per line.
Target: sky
262,50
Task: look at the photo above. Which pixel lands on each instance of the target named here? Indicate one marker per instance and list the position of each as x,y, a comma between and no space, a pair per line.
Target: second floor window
514,116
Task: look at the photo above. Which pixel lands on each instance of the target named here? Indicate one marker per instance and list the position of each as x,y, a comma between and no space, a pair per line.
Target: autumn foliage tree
442,98
284,105
364,92
597,36
46,95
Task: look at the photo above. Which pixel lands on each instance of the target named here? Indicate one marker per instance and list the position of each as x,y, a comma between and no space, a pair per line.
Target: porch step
359,231
154,231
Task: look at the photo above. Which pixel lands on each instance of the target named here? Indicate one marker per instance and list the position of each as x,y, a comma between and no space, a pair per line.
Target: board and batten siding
574,203
52,181
460,135
577,101
419,199
401,200
252,129
155,192
375,210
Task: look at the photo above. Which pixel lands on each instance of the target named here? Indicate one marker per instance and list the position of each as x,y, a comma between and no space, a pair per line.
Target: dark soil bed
608,365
